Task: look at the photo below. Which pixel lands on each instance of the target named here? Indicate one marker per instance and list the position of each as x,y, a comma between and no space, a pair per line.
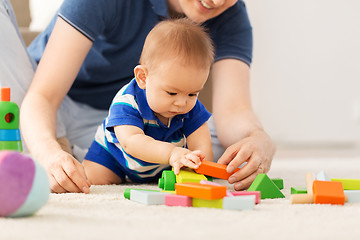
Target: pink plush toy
24,185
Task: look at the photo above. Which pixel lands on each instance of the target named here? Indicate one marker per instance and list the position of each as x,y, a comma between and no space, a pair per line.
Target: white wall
305,73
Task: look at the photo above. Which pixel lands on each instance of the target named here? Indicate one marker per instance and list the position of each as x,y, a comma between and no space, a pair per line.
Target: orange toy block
214,170
198,190
328,192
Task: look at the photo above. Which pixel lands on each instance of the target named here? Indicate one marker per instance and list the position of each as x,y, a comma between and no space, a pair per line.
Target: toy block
298,190
278,182
178,200
167,180
198,190
257,194
214,203
348,184
352,195
322,176
309,182
188,175
214,170
267,187
148,197
328,192
127,191
10,138
228,193
239,202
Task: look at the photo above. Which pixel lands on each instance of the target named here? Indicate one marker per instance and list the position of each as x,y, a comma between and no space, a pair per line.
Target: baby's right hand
184,157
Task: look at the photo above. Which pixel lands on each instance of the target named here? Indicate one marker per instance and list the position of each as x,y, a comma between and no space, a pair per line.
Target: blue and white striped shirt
129,107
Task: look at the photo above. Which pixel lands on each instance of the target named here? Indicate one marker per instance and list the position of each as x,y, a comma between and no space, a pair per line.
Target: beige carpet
105,214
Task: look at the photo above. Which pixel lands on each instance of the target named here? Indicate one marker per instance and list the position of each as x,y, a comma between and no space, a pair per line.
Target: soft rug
106,214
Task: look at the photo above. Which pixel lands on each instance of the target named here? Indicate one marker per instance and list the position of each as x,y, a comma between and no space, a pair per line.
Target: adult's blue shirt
118,29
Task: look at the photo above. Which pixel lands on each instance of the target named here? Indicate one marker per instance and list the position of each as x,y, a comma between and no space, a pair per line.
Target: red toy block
328,192
246,193
202,191
178,200
214,170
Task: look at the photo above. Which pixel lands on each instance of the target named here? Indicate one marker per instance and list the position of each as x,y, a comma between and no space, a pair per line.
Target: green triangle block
267,187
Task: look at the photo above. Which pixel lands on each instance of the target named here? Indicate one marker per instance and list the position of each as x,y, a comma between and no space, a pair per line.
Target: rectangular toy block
228,193
278,182
353,196
309,182
188,175
198,190
239,202
267,187
301,198
322,176
127,191
214,170
257,194
215,203
348,184
327,192
178,200
148,197
298,190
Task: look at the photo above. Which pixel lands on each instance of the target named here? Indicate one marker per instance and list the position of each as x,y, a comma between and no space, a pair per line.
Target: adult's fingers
245,183
77,176
252,166
64,181
54,185
242,156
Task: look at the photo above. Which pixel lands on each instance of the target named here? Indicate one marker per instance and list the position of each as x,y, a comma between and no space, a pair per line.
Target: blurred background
305,77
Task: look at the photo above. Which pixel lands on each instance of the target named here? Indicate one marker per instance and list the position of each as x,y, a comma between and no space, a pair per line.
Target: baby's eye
171,93
193,94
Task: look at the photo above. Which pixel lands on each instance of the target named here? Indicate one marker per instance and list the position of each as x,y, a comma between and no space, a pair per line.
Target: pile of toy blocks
323,190
195,189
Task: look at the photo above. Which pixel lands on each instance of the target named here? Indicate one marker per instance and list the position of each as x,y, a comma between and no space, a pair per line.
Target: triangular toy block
267,187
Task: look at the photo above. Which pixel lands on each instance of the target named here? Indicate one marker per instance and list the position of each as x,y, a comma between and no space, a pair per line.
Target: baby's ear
140,73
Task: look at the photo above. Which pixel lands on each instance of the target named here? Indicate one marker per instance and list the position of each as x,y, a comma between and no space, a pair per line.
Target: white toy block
322,176
147,197
353,195
239,202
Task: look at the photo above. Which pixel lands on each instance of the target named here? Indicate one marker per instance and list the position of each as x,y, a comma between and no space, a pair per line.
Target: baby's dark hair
179,40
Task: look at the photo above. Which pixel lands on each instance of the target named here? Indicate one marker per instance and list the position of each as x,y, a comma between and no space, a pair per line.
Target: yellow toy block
188,175
215,203
348,184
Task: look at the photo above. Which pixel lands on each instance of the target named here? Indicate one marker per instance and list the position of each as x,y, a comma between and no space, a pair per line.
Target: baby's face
173,89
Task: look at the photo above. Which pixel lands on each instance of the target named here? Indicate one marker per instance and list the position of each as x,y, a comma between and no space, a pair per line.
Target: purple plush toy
24,185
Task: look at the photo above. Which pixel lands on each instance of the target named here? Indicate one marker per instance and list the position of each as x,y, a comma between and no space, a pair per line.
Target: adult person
88,53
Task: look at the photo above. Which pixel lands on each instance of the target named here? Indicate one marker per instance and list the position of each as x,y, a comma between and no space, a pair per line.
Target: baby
157,120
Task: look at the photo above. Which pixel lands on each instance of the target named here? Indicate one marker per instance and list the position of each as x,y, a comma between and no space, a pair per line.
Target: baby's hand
184,157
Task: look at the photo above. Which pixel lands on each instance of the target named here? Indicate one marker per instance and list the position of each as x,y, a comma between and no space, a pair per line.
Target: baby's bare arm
201,140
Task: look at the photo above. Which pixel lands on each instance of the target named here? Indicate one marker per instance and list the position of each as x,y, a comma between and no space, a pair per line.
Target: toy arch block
267,187
214,170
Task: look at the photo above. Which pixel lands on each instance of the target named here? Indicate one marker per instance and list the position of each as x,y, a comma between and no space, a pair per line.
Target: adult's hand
65,173
257,150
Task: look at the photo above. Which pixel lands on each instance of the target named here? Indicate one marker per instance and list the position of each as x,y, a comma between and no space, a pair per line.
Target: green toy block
216,203
267,187
11,146
298,190
348,184
278,182
167,180
188,175
128,190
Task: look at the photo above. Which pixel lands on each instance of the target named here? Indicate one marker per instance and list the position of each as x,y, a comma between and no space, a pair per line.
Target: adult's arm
238,128
60,64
